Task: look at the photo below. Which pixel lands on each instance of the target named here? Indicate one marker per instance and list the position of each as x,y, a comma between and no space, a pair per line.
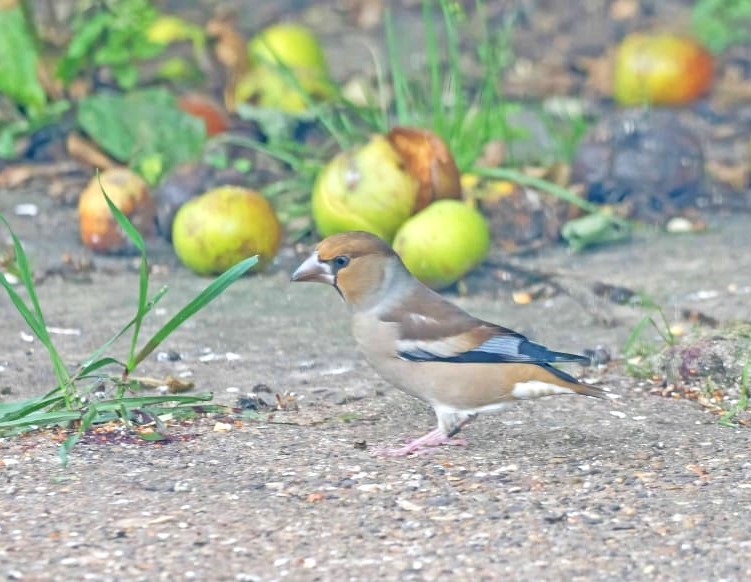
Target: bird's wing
434,330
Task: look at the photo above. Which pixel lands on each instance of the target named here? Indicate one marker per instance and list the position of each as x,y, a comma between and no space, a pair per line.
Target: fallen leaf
87,152
734,175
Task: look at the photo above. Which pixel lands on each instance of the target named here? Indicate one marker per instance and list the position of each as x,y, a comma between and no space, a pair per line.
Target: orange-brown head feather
356,264
353,245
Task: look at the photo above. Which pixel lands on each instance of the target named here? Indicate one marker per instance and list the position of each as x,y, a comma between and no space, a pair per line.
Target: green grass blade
11,407
631,342
743,401
85,371
24,272
122,220
30,406
97,354
18,302
524,180
398,78
145,401
434,66
34,318
143,271
292,160
456,78
198,303
41,419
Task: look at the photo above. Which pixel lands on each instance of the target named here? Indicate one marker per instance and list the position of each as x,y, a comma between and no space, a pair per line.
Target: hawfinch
430,348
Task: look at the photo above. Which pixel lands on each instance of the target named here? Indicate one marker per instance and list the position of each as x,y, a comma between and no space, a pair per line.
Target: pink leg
422,445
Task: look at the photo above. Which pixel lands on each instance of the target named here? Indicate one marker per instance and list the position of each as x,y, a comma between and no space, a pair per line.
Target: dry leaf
87,152
733,88
734,175
231,51
624,9
365,14
599,71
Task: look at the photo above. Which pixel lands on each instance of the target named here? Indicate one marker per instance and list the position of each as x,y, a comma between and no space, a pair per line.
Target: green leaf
87,36
203,299
126,75
18,60
143,125
594,229
719,24
151,436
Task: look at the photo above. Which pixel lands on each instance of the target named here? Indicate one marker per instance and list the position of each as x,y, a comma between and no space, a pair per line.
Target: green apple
444,242
364,189
224,226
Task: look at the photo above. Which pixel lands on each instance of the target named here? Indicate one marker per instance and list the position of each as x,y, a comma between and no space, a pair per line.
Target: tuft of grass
728,419
74,400
466,116
466,111
635,345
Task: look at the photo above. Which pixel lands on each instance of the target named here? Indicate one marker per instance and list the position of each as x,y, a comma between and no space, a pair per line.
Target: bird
429,347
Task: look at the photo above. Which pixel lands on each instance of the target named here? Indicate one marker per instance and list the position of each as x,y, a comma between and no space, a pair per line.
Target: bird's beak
315,271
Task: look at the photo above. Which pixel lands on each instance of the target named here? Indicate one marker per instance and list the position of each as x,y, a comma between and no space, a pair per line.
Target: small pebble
64,330
27,209
617,414
679,225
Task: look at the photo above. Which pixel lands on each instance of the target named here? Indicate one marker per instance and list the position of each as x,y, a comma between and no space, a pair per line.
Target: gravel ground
638,488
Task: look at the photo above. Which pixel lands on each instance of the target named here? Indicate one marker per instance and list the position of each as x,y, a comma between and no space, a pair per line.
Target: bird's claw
421,446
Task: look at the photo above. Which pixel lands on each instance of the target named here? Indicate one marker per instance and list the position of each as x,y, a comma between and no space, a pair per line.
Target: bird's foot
424,444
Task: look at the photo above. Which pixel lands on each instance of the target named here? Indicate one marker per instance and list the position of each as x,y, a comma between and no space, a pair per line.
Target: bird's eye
341,261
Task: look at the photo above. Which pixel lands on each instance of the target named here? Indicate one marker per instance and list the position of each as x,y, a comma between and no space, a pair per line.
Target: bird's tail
591,390
576,385
561,357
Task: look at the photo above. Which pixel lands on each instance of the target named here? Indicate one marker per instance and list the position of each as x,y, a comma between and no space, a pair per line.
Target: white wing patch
438,349
537,389
420,318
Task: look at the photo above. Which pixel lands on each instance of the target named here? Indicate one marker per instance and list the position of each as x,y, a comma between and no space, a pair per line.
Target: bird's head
357,264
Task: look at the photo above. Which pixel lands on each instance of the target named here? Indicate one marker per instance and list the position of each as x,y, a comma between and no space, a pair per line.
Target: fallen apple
290,45
225,225
364,189
268,87
130,194
661,69
287,69
429,160
444,242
